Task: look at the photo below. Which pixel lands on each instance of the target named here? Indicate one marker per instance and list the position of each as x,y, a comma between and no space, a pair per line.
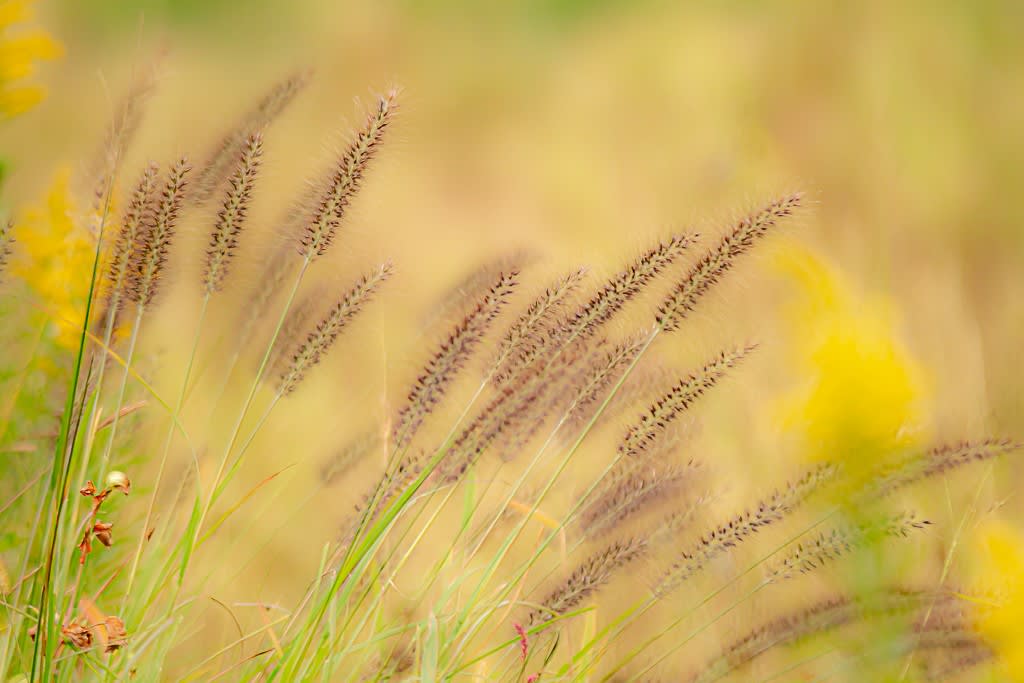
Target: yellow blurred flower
54,257
861,399
19,52
1000,560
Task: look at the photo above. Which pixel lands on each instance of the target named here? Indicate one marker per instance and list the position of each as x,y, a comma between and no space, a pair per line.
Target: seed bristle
732,533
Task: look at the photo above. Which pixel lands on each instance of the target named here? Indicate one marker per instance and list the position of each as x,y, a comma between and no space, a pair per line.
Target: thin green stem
168,438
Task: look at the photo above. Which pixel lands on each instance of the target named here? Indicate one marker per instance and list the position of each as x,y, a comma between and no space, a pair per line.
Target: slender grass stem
168,438
514,535
202,510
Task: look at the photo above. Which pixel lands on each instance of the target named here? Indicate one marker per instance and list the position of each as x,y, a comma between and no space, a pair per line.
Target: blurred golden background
578,131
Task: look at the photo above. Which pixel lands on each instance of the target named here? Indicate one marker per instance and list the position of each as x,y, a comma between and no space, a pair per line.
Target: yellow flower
1000,559
19,52
861,398
54,257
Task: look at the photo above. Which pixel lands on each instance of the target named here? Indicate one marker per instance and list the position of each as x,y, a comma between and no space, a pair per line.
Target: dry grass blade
344,183
644,434
588,577
710,269
432,384
232,214
150,253
327,330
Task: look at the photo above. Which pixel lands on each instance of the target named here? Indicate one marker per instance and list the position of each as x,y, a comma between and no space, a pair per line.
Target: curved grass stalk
59,478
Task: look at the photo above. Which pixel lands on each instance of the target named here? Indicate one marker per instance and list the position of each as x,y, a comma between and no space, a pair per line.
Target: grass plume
642,435
344,183
318,341
156,236
432,384
232,214
713,265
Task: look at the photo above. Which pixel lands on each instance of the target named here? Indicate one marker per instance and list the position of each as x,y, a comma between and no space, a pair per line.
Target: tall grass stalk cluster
537,512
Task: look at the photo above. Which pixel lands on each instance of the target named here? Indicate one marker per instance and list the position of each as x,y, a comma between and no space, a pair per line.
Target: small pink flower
523,643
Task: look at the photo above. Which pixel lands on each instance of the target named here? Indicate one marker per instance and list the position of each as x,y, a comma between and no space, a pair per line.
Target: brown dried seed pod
710,269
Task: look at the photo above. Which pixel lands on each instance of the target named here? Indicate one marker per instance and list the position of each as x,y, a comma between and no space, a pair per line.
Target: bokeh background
576,132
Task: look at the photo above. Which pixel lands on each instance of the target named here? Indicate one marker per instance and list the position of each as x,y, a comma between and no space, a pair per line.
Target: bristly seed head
626,285
937,461
431,385
741,527
232,214
346,180
599,309
709,270
155,238
327,330
274,102
588,577
645,432
831,545
6,240
136,217
528,327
